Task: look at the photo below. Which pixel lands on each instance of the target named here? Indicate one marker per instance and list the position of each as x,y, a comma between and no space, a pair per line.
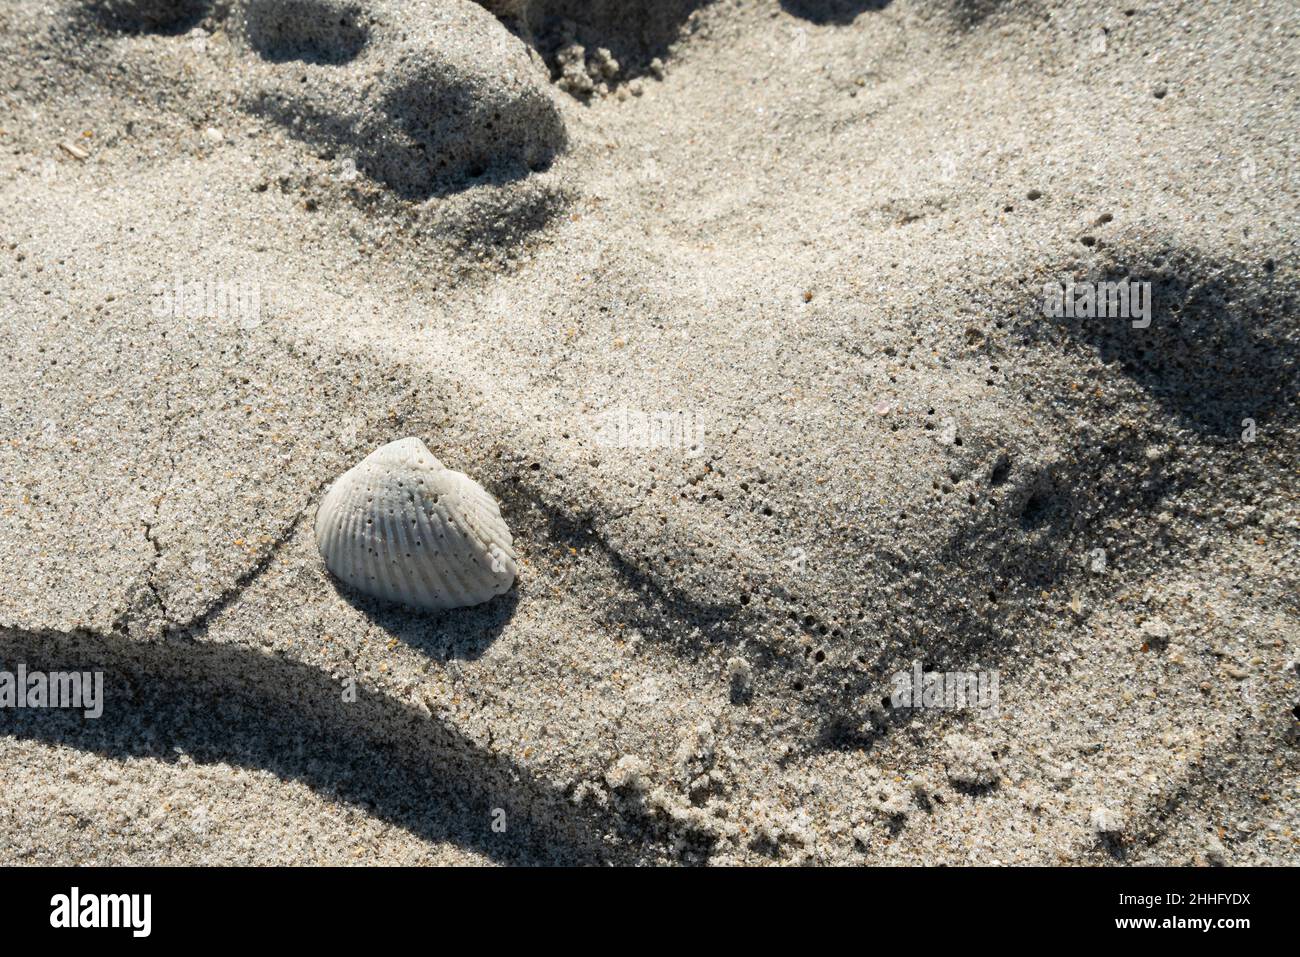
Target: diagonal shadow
654,606
1220,345
975,593
235,705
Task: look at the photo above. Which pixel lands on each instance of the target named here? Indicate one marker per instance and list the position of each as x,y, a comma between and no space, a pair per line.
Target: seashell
400,526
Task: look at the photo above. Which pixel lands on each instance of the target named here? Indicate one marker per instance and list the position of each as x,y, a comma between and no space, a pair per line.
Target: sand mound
426,97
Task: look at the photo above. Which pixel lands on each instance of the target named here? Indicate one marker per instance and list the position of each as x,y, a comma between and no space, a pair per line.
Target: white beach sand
814,234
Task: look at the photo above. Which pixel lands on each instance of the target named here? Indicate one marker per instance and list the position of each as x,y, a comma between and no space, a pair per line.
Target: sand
738,310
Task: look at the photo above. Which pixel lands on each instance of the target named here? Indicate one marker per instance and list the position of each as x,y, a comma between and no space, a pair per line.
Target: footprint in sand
429,96
425,96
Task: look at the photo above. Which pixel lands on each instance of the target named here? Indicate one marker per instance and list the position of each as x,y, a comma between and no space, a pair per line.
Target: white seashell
400,526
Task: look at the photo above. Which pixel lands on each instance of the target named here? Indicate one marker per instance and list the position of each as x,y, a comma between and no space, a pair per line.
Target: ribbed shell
400,526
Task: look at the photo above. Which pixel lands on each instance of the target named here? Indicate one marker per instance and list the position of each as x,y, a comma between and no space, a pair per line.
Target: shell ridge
451,539
388,556
433,583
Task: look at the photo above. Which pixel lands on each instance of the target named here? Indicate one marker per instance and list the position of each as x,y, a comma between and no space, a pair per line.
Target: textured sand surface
815,234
